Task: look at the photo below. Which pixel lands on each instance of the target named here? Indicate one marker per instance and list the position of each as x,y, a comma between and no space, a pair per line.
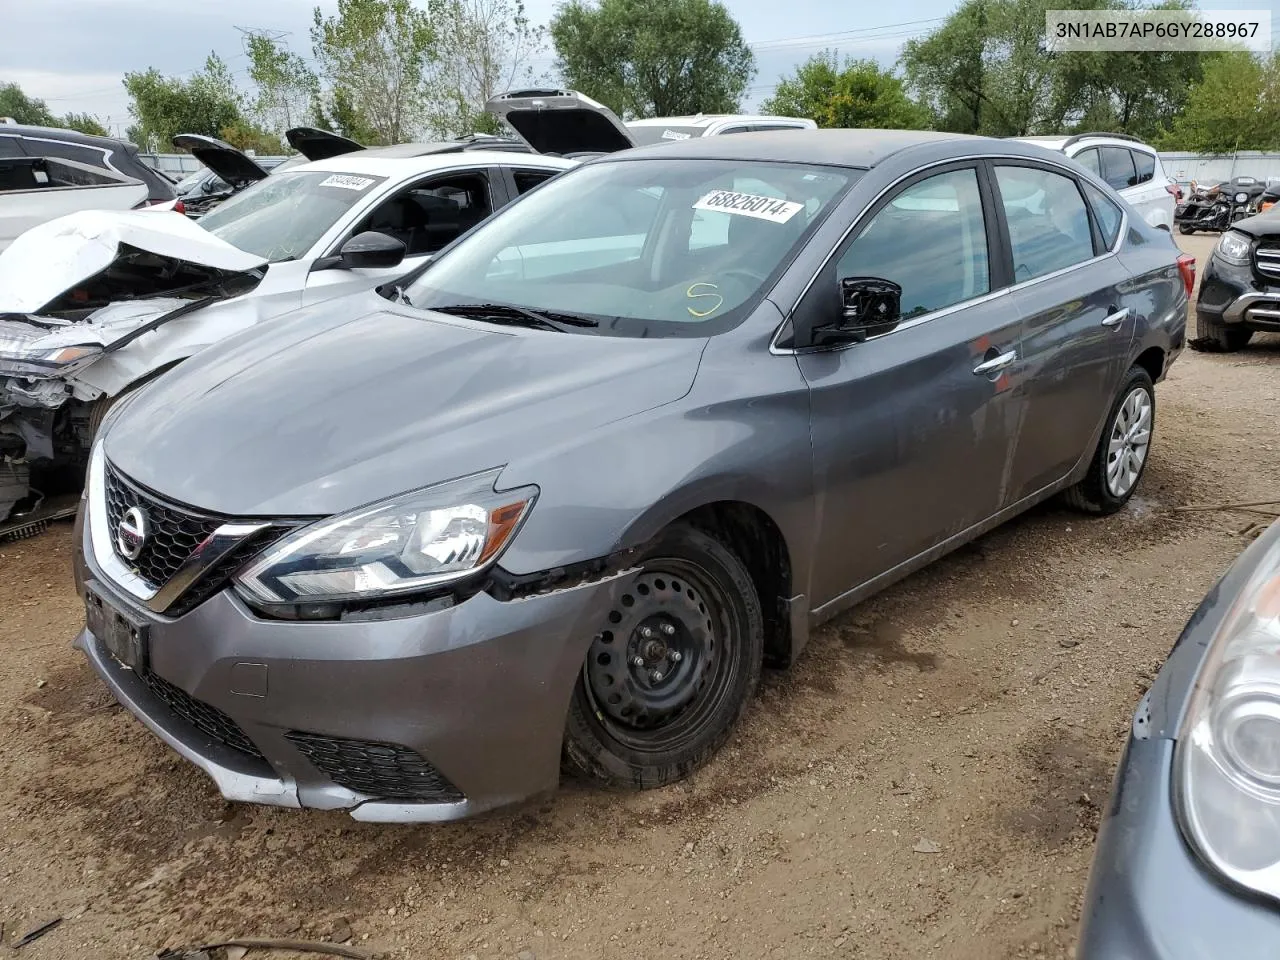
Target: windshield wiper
519,316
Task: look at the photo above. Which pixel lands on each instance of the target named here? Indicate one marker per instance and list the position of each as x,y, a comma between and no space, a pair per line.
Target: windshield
282,217
648,247
650,133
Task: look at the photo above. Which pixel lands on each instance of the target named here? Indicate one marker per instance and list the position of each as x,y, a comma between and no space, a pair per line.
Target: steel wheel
1130,440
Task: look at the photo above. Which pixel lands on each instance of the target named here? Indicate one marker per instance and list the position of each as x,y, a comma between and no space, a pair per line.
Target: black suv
105,152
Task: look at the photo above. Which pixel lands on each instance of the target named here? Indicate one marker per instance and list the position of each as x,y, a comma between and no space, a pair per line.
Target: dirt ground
979,706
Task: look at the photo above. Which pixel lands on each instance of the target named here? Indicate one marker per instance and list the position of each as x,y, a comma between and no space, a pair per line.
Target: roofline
1076,138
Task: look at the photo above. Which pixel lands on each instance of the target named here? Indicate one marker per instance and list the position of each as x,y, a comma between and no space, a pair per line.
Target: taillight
1174,189
179,207
1187,267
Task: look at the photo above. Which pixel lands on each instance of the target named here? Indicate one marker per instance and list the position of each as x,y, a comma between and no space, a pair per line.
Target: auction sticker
749,205
674,135
346,181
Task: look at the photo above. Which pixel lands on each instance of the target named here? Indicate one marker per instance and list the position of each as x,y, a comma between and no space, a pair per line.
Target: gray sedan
1188,857
556,497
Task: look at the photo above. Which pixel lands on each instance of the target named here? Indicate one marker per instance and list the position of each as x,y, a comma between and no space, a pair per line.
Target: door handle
1117,318
995,364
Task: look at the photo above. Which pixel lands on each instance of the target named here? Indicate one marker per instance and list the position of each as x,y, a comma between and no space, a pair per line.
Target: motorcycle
1219,206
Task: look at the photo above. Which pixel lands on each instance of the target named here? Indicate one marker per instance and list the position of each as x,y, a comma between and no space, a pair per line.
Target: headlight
1228,754
411,542
1234,247
1242,198
21,356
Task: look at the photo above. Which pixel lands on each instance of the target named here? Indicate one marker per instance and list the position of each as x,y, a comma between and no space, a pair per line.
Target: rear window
1145,164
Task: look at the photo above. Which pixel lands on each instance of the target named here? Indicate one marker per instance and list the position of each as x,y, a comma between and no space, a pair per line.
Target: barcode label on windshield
749,205
346,182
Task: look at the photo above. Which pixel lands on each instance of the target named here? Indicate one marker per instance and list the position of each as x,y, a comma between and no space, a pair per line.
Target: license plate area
123,636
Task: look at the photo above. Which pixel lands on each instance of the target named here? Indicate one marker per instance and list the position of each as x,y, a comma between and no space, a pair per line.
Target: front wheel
1183,228
672,668
1121,455
1217,337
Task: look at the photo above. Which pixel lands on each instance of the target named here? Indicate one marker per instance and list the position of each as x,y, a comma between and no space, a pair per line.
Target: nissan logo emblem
131,533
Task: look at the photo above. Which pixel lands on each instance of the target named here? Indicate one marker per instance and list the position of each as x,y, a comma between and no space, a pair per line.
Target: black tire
1217,337
1094,494
626,730
1183,228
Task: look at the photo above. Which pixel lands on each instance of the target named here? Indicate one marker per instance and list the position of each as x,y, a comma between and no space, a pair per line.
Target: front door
1079,321
913,429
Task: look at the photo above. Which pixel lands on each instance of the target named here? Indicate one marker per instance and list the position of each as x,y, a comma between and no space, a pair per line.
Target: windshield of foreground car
650,247
282,217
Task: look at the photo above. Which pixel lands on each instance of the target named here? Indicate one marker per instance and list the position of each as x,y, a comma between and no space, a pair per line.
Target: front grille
205,718
1267,258
385,771
173,532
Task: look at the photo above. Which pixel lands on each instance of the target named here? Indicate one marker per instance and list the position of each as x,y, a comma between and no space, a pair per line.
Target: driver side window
930,240
431,214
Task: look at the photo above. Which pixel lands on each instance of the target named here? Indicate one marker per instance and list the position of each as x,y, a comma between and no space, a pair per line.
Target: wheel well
756,540
1152,361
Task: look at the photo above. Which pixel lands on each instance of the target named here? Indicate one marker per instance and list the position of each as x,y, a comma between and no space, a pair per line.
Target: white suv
1131,167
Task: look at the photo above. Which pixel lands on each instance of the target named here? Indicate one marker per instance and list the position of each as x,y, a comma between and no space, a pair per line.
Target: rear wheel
1121,455
1218,337
1183,228
672,668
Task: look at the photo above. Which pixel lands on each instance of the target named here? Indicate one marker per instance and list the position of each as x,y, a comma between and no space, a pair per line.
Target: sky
73,53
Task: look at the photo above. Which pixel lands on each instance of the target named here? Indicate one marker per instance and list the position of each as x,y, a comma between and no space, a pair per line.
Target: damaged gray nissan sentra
556,497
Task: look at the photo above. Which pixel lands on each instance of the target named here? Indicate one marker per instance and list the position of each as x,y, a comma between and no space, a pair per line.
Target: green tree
285,84
852,93
1236,106
484,48
85,123
380,52
205,103
14,103
647,58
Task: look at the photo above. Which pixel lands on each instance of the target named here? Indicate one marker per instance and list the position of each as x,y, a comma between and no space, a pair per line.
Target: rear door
913,429
1071,290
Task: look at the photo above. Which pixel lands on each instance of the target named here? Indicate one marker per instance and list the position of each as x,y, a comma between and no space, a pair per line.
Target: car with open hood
557,496
570,124
97,303
1240,285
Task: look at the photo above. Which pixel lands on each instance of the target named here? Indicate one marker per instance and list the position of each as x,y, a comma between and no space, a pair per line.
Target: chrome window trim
972,301
106,153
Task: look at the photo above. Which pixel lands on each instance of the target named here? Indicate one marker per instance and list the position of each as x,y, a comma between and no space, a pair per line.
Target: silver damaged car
553,499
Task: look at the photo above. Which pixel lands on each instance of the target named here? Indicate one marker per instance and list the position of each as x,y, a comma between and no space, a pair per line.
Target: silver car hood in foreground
356,400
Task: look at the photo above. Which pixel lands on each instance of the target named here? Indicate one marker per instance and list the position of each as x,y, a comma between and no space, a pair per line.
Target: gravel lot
975,710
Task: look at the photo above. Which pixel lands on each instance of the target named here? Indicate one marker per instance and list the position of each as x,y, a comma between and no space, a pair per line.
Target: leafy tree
244,135
85,123
855,93
484,48
205,103
1235,107
285,84
647,58
336,113
380,52
28,110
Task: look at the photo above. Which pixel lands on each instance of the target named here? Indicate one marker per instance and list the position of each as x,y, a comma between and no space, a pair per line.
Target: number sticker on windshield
346,181
674,135
750,205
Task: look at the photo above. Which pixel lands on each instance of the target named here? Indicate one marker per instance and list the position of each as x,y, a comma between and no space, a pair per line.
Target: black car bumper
1235,295
1149,897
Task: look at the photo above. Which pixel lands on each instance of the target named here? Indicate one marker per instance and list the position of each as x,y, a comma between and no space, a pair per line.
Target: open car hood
222,158
316,144
87,260
562,122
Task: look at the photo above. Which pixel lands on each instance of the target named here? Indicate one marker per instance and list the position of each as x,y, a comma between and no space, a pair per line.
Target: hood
316,144
222,158
1261,225
356,400
561,122
87,260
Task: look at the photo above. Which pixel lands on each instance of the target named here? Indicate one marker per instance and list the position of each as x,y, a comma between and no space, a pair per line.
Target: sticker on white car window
346,181
750,205
674,135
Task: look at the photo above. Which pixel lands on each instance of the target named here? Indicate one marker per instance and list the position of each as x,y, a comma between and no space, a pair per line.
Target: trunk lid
316,144
232,165
561,122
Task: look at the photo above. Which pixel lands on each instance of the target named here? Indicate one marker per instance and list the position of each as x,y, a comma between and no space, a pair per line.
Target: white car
1131,167
94,304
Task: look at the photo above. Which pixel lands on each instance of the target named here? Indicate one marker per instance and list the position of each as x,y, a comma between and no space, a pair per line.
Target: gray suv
554,498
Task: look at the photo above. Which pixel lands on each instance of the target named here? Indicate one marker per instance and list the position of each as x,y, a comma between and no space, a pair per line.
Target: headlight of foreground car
404,545
1228,755
1234,247
19,360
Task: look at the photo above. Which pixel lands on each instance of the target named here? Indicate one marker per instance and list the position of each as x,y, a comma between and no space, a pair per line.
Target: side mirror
870,306
370,250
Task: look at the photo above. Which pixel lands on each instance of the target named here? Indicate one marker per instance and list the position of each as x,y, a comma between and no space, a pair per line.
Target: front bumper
479,691
1232,294
1149,898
